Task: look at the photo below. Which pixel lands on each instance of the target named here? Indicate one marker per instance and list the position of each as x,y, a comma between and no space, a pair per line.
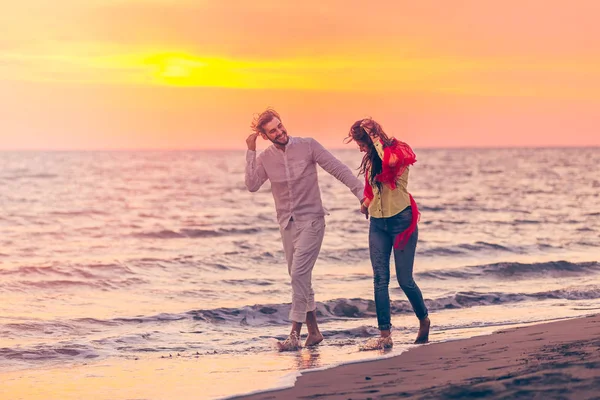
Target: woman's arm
392,160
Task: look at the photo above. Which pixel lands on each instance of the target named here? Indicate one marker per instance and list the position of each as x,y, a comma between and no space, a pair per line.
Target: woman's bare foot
313,340
377,343
292,343
423,335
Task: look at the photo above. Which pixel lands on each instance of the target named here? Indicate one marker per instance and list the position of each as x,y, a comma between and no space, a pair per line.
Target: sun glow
180,69
338,73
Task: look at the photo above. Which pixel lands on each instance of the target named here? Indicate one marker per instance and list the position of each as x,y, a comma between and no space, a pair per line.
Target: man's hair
262,119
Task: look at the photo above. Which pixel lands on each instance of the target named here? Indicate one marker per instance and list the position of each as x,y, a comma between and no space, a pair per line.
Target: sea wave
258,315
198,233
466,248
261,315
92,270
49,353
71,340
515,270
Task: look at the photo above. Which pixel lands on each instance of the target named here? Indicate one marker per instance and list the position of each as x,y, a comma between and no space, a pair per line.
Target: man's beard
276,141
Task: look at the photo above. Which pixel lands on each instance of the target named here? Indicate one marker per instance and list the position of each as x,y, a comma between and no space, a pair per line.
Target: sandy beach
559,360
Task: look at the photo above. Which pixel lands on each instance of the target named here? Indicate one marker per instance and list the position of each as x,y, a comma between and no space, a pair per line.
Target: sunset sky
189,74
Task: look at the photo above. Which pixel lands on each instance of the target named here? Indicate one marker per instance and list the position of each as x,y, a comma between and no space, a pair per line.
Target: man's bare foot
313,340
423,335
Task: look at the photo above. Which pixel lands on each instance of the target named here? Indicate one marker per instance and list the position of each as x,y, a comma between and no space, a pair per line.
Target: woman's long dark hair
371,163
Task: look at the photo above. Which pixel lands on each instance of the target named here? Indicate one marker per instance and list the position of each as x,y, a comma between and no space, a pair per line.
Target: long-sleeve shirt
388,202
293,176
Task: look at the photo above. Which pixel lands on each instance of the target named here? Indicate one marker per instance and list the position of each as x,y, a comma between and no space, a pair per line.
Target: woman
394,217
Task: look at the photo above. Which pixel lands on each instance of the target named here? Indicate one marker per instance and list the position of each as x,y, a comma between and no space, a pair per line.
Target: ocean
134,256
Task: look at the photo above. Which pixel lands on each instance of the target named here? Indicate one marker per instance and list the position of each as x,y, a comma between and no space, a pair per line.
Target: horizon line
176,150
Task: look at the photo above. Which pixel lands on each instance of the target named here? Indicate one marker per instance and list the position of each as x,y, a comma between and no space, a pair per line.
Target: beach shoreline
548,360
559,359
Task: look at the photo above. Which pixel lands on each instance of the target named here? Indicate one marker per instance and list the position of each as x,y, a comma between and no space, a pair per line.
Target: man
290,165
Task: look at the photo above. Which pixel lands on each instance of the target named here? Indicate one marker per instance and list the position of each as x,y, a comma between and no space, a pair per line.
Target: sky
183,74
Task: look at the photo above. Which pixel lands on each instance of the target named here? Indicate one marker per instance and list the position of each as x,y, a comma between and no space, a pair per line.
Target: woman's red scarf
389,176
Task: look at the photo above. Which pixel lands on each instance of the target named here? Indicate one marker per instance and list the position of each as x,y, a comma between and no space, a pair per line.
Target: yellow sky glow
332,73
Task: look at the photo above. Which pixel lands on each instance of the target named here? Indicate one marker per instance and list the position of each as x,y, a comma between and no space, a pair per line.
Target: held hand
251,141
365,210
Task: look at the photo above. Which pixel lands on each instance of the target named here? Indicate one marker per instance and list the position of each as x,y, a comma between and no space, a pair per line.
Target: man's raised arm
255,172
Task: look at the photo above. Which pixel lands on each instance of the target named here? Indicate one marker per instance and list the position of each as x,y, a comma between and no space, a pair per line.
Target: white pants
301,243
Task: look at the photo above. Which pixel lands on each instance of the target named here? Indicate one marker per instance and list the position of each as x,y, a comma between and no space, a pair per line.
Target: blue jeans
382,232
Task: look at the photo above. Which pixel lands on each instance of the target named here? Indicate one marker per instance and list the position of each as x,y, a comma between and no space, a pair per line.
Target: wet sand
558,360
